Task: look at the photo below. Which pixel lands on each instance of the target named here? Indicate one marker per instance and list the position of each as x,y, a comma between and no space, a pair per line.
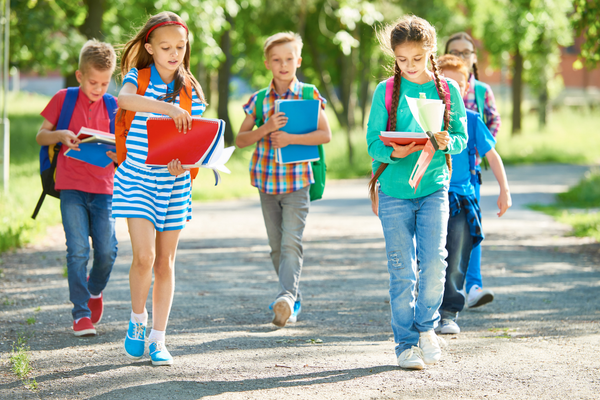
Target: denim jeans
285,219
459,246
84,215
474,270
411,226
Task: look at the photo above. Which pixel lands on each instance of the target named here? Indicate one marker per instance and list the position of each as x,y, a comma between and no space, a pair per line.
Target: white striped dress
147,192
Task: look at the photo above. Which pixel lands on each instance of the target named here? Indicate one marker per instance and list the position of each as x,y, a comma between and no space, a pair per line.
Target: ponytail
475,71
393,116
442,94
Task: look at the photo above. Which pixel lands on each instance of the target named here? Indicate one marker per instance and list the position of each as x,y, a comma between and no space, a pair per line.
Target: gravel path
540,338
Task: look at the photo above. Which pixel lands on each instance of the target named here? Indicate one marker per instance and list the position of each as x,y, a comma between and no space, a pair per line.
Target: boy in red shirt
85,189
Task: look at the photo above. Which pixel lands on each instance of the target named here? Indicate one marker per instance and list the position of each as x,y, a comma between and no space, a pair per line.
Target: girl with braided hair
479,98
414,221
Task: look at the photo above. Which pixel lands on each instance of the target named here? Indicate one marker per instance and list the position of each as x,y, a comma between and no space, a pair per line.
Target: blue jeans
285,219
474,270
84,215
411,225
459,246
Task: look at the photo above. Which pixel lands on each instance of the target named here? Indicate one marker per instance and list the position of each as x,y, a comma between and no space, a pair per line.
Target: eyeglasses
462,54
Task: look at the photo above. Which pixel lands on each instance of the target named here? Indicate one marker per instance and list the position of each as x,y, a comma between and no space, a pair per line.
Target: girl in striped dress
155,200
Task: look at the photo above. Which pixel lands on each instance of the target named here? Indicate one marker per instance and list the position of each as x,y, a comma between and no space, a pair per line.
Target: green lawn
569,138
579,206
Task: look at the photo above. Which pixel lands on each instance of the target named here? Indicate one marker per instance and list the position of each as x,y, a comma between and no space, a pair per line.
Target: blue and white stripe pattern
141,191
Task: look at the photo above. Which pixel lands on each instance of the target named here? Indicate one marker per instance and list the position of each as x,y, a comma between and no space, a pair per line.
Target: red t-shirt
73,174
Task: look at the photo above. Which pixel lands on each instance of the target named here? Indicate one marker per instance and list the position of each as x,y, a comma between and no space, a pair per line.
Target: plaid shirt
492,116
266,174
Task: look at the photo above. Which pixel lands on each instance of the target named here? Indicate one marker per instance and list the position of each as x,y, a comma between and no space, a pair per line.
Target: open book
303,117
403,138
202,146
93,147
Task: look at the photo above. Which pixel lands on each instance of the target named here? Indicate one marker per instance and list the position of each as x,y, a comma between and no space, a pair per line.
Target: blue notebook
92,153
303,117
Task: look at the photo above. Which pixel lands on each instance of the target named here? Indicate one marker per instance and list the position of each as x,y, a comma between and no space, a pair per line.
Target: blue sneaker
135,342
159,354
297,308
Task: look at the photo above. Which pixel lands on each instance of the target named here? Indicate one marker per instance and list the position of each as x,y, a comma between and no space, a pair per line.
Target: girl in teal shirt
414,222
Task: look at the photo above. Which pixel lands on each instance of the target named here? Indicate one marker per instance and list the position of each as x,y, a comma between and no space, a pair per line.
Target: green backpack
318,167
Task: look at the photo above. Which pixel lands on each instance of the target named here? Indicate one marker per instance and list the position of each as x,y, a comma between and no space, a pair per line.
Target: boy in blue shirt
464,225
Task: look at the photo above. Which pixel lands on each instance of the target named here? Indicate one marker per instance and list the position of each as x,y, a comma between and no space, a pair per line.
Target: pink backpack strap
389,90
447,94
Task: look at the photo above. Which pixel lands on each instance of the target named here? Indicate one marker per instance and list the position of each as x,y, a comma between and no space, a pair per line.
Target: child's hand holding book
69,139
182,119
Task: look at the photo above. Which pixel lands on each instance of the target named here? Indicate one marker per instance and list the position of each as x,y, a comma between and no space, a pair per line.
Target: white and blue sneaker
135,341
159,354
295,311
297,308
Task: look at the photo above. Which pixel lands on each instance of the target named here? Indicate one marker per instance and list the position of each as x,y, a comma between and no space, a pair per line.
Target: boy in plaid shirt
283,188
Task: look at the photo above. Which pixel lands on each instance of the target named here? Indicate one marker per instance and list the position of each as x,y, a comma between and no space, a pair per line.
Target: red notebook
403,138
166,143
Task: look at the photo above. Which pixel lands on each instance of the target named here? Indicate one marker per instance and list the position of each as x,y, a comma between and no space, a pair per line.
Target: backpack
319,167
125,117
480,89
49,154
389,91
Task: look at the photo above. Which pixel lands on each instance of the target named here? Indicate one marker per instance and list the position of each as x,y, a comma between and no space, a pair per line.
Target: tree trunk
224,77
92,26
91,29
543,104
517,91
204,80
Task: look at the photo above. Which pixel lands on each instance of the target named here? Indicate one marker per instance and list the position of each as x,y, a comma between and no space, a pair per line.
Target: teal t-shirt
394,180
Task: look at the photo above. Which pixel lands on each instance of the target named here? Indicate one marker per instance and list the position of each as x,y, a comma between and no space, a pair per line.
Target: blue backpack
49,154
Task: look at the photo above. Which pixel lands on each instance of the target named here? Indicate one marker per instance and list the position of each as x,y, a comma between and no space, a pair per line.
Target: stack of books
403,138
93,147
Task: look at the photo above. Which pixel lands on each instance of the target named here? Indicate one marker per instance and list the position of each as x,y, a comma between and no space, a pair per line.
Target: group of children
430,234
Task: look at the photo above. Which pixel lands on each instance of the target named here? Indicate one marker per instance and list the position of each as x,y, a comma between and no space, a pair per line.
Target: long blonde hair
134,54
416,30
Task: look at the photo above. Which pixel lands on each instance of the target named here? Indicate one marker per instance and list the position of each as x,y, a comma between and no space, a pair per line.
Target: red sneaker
84,327
96,306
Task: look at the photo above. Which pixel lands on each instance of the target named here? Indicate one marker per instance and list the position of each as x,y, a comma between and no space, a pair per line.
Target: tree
586,21
530,32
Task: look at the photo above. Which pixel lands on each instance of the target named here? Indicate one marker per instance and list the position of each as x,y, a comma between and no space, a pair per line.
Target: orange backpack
125,117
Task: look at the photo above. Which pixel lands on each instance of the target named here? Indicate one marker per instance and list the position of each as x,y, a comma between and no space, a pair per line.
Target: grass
578,206
568,138
20,363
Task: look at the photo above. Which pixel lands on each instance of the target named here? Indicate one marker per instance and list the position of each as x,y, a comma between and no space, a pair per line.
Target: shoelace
138,330
416,350
160,346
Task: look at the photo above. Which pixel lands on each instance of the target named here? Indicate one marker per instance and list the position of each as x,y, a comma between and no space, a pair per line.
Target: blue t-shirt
479,137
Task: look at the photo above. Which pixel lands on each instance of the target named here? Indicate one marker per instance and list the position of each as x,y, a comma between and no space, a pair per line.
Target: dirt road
540,338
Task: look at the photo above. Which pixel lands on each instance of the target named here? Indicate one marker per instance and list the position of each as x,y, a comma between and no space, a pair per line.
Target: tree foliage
586,21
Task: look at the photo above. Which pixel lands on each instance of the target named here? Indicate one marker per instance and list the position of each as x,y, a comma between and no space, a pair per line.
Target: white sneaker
447,327
478,296
411,358
283,310
430,345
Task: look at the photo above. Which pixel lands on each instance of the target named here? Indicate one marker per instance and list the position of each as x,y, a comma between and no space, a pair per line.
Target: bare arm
47,136
504,199
130,100
321,135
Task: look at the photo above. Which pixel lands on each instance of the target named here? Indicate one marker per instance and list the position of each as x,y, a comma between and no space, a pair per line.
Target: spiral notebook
195,148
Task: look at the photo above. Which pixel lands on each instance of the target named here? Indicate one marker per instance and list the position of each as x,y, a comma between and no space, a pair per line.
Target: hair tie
165,23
